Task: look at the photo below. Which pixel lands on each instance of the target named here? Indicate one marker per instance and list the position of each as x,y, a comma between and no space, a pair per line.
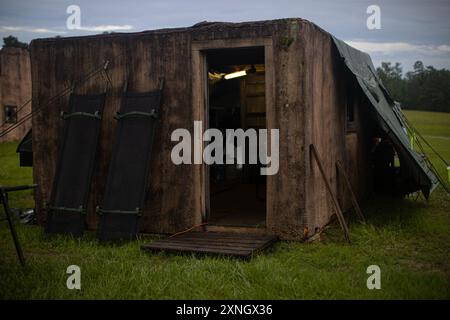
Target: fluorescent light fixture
235,74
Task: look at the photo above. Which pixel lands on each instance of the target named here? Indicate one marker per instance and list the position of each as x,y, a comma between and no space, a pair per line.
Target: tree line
424,88
13,42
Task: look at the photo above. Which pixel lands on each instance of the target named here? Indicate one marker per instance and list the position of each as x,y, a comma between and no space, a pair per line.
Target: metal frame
4,199
50,209
120,116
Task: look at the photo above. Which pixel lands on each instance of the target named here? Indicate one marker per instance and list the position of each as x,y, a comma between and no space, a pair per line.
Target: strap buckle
96,115
101,211
80,209
153,114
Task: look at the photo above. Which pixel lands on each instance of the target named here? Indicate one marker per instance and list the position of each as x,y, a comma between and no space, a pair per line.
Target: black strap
95,115
80,209
153,114
101,211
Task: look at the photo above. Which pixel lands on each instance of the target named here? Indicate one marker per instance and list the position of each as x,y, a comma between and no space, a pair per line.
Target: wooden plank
194,247
207,243
352,194
339,213
225,240
232,244
231,241
188,244
230,235
219,241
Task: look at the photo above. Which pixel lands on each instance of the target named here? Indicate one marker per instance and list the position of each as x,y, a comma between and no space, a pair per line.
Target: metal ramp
67,207
240,245
124,194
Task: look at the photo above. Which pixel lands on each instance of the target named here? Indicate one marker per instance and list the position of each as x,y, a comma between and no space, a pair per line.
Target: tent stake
339,214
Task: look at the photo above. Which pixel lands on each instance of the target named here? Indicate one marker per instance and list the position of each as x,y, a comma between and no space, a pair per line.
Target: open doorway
236,99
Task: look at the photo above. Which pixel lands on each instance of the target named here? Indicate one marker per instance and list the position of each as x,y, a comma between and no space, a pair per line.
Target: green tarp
389,116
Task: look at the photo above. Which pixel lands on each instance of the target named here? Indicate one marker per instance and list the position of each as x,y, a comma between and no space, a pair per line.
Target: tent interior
237,192
389,173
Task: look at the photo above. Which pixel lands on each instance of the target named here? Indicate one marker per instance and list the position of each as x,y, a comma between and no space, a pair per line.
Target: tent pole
356,206
4,200
339,213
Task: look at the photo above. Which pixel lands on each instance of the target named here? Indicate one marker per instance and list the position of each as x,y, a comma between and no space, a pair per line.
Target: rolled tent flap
389,117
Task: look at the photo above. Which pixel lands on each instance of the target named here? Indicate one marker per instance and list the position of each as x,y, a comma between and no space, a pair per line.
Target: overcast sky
410,30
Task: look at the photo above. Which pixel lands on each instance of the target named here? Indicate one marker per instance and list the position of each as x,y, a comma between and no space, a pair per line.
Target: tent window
10,114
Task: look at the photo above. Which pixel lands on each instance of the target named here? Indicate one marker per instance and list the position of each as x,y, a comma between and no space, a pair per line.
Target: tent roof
389,115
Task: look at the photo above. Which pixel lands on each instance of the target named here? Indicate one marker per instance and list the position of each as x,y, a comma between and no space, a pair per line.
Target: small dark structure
15,92
312,87
25,150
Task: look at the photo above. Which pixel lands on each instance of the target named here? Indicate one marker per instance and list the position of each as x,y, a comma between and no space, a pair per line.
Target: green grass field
409,240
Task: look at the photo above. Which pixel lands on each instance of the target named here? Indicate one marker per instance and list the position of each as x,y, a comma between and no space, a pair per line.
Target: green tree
428,88
424,88
391,76
13,42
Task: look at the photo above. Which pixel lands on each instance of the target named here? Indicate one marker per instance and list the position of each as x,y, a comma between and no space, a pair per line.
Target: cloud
95,28
28,29
394,48
106,28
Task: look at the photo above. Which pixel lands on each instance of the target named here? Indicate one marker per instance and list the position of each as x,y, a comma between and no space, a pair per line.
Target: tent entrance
236,100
